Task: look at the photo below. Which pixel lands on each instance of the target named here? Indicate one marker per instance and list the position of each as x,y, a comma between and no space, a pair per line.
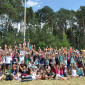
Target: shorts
57,76
62,75
74,76
33,77
80,74
19,74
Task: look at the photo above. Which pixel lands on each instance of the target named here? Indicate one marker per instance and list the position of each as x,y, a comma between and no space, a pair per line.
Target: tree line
62,28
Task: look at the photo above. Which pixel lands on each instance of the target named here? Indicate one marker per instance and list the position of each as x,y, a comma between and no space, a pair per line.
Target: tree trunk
83,33
71,32
52,28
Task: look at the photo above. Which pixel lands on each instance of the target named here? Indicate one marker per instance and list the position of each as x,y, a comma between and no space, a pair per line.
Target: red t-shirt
68,58
0,58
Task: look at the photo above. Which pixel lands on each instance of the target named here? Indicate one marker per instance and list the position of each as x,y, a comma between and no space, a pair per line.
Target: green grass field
83,60
73,81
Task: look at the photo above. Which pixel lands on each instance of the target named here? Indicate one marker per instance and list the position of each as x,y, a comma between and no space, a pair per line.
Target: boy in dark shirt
50,75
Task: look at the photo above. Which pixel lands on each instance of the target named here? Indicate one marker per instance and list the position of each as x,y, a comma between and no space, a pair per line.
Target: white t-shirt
22,52
34,76
65,62
21,59
8,59
74,73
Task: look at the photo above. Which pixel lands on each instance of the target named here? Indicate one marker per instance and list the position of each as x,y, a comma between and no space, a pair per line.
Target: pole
24,21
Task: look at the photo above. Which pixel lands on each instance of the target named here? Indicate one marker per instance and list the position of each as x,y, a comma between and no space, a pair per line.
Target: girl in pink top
58,76
61,70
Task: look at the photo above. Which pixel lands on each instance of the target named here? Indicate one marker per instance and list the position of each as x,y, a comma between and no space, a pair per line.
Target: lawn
83,60
73,81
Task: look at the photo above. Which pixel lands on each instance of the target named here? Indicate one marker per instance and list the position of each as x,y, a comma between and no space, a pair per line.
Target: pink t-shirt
61,71
57,71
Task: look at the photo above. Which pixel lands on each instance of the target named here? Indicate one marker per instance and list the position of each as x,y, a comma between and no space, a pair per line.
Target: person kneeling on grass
8,73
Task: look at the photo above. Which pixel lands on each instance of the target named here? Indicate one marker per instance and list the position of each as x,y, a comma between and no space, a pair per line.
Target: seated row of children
28,73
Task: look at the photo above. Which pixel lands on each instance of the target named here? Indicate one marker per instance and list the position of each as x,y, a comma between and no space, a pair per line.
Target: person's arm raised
21,68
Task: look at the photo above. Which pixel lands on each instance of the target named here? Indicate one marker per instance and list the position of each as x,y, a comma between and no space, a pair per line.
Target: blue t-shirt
72,60
29,46
36,62
14,72
61,58
79,71
46,62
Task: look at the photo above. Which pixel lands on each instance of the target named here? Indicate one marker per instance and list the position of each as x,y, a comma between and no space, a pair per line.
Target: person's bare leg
2,77
46,77
62,78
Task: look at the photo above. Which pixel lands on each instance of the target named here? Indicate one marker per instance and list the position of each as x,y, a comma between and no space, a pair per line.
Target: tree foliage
44,27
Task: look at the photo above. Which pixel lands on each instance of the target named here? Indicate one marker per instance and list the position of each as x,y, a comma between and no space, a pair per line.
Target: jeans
9,77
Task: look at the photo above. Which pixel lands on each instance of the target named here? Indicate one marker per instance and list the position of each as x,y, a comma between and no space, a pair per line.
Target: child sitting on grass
8,72
79,70
50,74
58,76
38,76
25,76
74,72
65,71
14,71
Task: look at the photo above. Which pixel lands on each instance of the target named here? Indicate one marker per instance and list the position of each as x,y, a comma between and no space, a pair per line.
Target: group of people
25,63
